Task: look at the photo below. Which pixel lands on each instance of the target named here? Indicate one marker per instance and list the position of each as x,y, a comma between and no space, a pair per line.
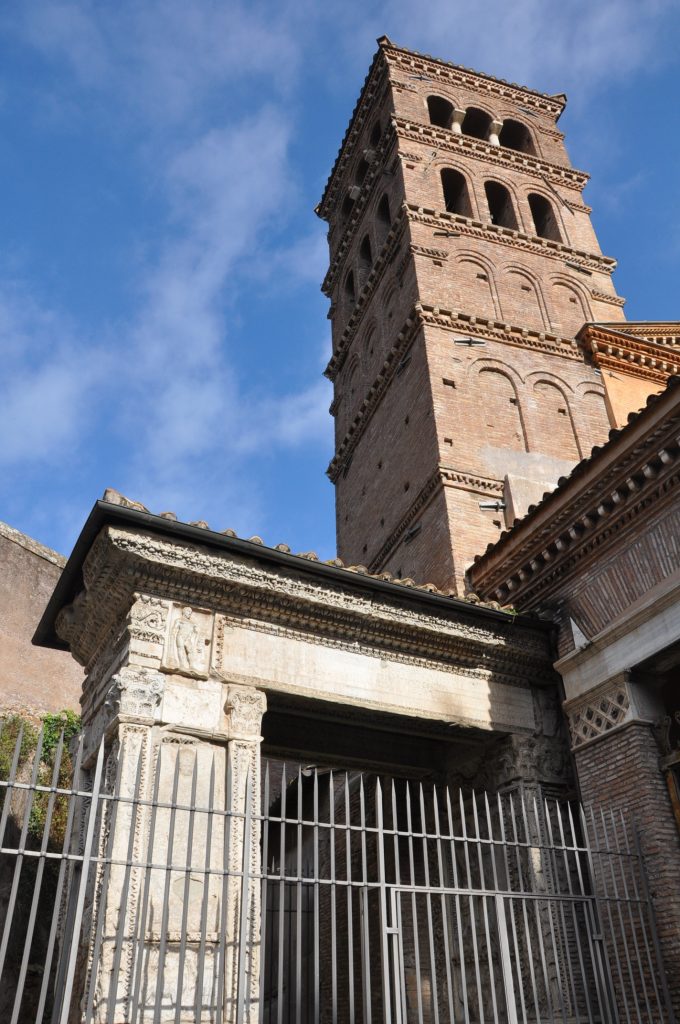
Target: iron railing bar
428,904
473,919
506,966
103,891
316,895
598,949
87,849
350,923
515,940
221,957
537,916
485,906
549,902
200,966
414,913
459,922
19,863
51,942
641,868
334,950
638,957
185,896
621,921
446,927
166,889
244,908
365,927
384,941
37,885
574,920
282,898
644,882
298,904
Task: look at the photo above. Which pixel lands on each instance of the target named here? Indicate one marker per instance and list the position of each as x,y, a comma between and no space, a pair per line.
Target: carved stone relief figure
188,642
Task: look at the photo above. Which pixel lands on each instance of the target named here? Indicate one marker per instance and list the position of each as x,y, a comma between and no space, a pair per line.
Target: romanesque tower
463,263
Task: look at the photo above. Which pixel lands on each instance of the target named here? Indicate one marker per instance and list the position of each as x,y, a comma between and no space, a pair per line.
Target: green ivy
53,726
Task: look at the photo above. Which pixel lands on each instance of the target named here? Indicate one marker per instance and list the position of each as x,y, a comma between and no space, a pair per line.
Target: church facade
340,791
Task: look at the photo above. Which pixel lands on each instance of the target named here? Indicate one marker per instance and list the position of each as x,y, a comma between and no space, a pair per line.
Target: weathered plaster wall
32,679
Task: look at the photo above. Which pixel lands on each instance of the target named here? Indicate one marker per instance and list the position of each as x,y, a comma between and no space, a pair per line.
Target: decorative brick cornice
422,500
411,61
374,175
619,350
612,300
374,83
596,507
443,476
517,240
450,320
384,259
345,449
419,131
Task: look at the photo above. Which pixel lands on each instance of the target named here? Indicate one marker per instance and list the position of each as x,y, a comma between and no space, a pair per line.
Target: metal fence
153,893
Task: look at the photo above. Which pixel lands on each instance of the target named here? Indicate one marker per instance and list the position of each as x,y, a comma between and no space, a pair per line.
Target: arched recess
346,207
361,170
570,306
593,415
545,220
523,300
515,135
501,422
476,285
349,289
370,347
365,260
440,111
501,207
376,133
383,218
552,424
476,123
456,192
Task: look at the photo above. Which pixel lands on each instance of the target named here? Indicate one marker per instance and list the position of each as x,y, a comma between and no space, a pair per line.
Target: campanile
463,264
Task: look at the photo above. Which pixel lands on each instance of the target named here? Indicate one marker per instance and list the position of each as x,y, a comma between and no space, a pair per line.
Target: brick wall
620,772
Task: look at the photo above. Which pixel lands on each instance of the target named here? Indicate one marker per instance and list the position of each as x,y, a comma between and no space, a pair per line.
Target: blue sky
161,325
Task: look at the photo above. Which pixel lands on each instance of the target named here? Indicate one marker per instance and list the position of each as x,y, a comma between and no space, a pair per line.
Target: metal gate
371,900
392,901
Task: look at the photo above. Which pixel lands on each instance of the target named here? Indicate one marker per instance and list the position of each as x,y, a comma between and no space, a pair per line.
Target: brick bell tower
463,262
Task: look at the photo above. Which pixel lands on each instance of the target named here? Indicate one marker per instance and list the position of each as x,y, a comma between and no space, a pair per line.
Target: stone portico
187,636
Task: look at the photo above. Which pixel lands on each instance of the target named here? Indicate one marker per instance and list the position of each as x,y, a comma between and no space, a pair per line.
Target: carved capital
244,708
135,692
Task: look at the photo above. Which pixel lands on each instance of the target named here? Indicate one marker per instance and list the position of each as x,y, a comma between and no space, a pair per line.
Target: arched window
346,207
500,205
545,221
440,111
383,218
515,135
350,291
476,123
361,171
376,132
456,196
365,259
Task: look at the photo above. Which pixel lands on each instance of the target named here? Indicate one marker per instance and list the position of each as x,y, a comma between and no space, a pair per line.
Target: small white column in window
457,121
494,131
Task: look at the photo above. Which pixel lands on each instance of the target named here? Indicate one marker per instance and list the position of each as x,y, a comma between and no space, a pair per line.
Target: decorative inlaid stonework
598,715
